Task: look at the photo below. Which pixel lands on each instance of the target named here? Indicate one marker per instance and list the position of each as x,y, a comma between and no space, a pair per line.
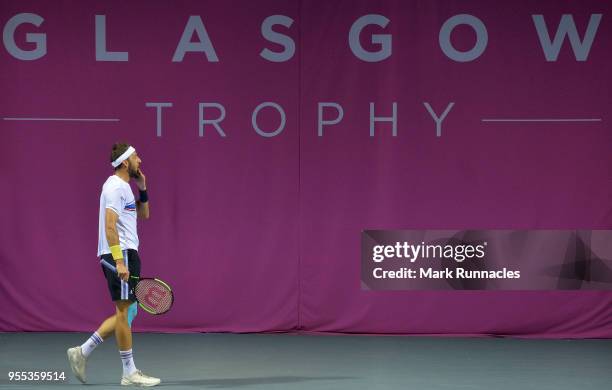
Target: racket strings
155,295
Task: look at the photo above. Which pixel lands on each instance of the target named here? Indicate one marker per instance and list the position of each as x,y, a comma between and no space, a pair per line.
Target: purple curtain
256,221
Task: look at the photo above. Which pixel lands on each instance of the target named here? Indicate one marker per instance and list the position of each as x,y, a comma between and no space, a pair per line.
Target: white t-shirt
117,195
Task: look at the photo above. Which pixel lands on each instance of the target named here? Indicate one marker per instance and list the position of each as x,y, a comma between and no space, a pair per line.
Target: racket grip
108,265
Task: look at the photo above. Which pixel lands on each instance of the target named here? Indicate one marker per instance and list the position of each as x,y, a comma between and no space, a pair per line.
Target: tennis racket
152,294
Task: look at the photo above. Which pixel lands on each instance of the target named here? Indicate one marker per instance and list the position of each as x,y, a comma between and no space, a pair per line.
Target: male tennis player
118,243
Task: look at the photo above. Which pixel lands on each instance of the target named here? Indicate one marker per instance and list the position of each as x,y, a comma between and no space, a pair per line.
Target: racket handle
108,265
113,268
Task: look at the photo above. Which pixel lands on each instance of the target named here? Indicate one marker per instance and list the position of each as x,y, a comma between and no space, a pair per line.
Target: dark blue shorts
120,290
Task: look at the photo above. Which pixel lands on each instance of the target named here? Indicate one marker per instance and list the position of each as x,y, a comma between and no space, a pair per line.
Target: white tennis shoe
78,363
139,379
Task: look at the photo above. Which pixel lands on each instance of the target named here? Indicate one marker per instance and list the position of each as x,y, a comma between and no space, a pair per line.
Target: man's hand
122,271
141,181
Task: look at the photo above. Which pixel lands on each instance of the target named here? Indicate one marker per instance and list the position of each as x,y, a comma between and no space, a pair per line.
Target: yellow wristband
116,252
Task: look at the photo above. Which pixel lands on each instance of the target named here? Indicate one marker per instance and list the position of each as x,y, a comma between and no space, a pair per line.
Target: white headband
123,157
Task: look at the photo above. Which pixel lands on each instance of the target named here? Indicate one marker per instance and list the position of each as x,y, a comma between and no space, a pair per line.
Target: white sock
91,344
128,362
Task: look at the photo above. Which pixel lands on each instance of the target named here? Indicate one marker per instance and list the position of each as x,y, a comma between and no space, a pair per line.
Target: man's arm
142,208
112,237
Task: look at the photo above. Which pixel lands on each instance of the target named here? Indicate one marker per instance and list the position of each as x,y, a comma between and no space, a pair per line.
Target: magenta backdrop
263,233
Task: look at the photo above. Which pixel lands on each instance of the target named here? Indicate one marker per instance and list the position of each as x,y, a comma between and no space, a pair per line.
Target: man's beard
133,172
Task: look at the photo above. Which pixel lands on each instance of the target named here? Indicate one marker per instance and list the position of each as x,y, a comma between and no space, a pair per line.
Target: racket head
154,295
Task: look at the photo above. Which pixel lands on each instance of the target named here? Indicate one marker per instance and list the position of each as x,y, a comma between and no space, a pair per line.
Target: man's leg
107,329
122,329
77,356
123,333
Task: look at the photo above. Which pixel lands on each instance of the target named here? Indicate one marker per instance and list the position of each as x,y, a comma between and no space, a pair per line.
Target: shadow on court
220,383
264,380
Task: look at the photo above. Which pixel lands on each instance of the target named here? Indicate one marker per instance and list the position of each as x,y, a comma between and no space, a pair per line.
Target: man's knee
122,310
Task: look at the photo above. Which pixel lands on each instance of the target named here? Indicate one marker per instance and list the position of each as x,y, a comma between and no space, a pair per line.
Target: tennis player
118,243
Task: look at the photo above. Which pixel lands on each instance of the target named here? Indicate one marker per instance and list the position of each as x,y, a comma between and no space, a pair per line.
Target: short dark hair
118,149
